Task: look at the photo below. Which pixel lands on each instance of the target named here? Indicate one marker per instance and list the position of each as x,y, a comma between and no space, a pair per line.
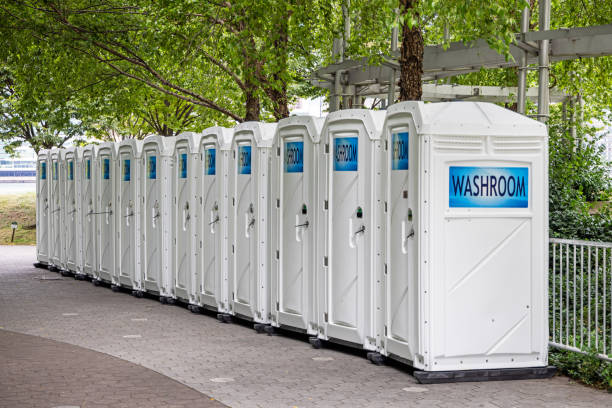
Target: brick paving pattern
232,363
39,372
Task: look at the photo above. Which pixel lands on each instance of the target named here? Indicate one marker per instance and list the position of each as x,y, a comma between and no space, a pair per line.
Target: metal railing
580,296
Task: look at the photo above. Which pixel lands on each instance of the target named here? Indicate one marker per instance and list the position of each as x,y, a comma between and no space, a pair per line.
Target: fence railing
580,295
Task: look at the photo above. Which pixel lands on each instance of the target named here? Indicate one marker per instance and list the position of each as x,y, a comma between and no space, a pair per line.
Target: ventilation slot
516,145
458,144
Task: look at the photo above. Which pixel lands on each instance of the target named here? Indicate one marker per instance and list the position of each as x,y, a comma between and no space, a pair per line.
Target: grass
20,208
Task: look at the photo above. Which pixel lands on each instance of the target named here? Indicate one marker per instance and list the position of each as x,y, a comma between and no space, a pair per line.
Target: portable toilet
185,179
157,169
249,267
466,240
127,249
350,226
106,210
55,198
87,234
42,208
69,216
213,219
293,225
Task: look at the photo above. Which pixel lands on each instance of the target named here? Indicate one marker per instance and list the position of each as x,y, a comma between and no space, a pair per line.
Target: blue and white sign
126,170
346,153
183,165
43,171
152,167
88,169
54,170
294,157
71,170
488,187
244,159
106,169
210,156
399,151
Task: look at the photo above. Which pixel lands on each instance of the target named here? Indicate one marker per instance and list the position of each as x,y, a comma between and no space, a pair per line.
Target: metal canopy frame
356,79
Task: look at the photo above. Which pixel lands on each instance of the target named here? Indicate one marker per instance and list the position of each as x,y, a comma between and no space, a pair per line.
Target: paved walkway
38,372
232,363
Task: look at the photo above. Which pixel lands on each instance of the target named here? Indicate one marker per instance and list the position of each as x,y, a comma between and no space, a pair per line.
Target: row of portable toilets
418,233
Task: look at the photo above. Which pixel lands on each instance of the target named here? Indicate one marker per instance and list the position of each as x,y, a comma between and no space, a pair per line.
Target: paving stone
268,371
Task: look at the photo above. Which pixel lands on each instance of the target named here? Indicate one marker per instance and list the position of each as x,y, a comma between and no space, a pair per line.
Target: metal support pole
522,69
392,77
543,91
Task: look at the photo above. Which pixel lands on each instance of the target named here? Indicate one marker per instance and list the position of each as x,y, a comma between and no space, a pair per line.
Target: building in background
21,167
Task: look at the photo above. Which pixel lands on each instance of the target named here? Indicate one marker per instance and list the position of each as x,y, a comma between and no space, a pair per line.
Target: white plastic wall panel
88,209
294,224
185,179
129,176
351,206
249,221
481,239
43,182
106,211
213,218
55,198
69,177
156,213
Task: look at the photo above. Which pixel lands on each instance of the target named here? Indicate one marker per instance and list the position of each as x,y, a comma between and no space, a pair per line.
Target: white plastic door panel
401,282
210,269
152,220
183,223
70,212
127,219
295,232
42,212
245,278
347,227
56,226
106,215
89,218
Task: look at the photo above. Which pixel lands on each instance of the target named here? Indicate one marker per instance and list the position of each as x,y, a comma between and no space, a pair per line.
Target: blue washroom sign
244,159
488,187
126,170
346,154
54,170
88,169
210,159
71,170
43,171
294,157
399,151
152,167
106,169
183,165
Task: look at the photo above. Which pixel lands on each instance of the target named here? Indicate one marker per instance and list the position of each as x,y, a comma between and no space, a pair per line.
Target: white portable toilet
42,208
350,229
69,216
293,233
87,233
249,267
466,240
156,250
127,249
106,210
213,219
185,179
55,198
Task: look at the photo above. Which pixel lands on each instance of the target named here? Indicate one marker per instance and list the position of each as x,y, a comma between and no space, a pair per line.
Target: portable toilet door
185,180
249,180
467,277
88,209
106,211
351,206
42,207
69,209
128,209
213,219
57,237
156,214
293,235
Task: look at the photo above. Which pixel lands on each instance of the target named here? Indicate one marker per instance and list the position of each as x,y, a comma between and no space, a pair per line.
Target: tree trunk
278,92
252,103
411,59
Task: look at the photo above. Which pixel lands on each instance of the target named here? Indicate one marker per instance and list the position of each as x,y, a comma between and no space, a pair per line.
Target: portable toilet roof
373,120
262,132
224,136
166,143
135,144
192,138
312,124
